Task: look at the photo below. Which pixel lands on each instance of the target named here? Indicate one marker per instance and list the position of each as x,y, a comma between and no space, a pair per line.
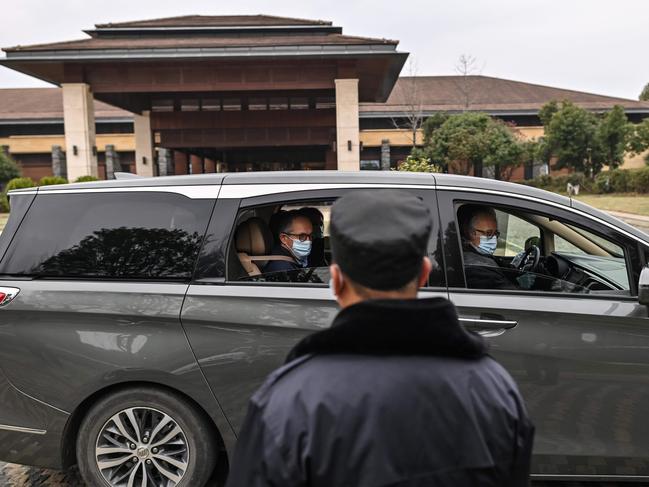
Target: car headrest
253,237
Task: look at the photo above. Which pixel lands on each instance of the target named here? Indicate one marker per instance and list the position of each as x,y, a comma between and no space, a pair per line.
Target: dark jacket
395,393
281,265
483,272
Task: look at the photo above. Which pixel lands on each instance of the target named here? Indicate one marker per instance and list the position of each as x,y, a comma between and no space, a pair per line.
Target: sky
598,46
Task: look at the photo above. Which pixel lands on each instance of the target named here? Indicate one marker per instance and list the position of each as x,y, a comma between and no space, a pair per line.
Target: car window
109,235
574,261
256,253
514,232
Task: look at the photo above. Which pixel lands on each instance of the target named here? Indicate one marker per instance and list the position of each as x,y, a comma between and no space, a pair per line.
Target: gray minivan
136,318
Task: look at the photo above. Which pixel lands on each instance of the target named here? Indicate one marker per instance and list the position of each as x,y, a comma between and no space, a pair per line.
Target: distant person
396,392
294,235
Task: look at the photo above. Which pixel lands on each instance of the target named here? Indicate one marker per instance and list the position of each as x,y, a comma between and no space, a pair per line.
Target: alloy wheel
142,447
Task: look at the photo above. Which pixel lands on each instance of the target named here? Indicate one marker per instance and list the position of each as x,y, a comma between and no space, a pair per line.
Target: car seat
253,242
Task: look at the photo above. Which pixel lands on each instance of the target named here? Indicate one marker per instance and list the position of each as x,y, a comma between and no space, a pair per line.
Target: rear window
109,235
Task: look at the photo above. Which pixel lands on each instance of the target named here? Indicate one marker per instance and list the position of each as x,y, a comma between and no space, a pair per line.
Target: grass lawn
626,203
3,220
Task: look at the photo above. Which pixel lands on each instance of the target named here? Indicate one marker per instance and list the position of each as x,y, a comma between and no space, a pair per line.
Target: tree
409,94
612,135
644,96
571,138
472,140
8,168
582,141
417,162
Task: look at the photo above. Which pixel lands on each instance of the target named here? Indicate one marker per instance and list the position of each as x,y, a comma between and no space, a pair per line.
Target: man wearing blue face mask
479,231
295,236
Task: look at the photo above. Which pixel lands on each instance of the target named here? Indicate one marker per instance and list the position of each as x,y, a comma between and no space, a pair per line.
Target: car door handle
488,328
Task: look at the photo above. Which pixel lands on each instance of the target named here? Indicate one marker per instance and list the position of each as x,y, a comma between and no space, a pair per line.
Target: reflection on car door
580,361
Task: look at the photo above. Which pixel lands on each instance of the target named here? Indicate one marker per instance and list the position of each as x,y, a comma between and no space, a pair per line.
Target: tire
109,424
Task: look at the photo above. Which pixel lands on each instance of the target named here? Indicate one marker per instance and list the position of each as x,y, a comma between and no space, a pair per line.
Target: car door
241,330
579,359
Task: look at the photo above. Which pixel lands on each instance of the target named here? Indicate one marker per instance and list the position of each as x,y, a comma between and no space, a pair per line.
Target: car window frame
448,199
223,228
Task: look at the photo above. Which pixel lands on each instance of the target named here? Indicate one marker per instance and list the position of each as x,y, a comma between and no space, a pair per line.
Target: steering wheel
530,260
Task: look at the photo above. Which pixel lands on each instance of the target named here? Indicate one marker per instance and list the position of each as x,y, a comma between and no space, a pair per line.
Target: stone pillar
165,162
58,162
112,162
385,155
347,128
79,120
143,144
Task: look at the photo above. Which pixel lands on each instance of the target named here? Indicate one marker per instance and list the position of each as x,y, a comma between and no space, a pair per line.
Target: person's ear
337,282
284,239
426,267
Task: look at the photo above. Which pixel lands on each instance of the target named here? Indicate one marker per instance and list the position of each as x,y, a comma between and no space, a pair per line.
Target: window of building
109,235
211,104
190,105
323,102
299,103
278,103
162,105
231,104
257,103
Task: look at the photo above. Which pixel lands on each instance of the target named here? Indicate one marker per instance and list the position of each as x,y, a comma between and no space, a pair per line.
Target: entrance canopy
226,82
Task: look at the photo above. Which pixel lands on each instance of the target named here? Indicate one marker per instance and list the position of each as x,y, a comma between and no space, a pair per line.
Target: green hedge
51,180
615,181
85,179
16,183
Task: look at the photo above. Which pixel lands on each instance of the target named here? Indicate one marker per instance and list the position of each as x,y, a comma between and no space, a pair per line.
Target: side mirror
643,287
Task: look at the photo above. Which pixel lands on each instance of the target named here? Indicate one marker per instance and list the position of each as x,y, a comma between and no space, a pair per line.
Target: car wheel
145,437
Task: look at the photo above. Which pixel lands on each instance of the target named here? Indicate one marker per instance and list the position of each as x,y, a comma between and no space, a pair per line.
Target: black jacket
281,265
395,393
483,272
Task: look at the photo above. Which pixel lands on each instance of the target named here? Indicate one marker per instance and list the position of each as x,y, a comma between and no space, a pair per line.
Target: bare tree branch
409,94
466,67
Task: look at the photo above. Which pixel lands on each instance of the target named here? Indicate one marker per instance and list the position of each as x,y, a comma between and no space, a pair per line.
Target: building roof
198,31
484,93
45,105
214,21
158,43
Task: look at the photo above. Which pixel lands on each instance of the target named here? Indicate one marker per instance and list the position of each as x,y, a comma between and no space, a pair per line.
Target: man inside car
294,239
479,232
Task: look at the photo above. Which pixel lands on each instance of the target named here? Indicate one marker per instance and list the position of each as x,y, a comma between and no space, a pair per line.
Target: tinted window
111,235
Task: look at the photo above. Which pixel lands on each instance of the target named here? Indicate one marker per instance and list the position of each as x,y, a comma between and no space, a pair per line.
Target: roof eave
197,52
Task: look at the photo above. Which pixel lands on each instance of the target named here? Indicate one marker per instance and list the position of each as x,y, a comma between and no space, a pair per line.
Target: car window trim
541,294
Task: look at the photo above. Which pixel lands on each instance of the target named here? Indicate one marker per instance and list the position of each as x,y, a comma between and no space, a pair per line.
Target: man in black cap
396,392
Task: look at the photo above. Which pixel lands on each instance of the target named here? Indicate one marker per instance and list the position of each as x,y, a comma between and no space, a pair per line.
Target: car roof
443,181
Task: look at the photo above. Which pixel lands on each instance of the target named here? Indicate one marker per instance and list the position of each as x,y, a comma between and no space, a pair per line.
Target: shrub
418,164
603,183
639,180
18,183
85,179
15,183
50,180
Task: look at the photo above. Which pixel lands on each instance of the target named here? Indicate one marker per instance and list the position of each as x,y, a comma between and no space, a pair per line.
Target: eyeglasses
488,233
300,236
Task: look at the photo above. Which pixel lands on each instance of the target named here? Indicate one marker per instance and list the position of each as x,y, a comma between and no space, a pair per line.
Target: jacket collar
395,327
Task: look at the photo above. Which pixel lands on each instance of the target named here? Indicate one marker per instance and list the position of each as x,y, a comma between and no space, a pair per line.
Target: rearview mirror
643,287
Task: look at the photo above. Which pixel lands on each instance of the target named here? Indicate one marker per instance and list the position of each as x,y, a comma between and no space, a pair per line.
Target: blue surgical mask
488,244
301,250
